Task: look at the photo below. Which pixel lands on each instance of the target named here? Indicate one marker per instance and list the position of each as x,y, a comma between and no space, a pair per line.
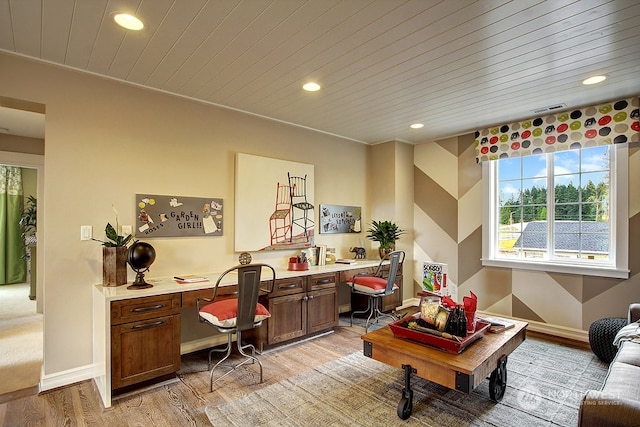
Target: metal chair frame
299,202
395,258
280,224
249,287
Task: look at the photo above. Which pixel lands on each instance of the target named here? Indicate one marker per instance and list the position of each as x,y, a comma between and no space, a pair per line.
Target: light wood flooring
181,402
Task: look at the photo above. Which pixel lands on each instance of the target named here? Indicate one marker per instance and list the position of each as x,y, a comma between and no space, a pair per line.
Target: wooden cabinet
322,303
288,307
145,339
300,306
359,302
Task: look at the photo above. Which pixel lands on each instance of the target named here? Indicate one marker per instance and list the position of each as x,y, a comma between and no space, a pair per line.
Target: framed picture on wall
340,219
274,204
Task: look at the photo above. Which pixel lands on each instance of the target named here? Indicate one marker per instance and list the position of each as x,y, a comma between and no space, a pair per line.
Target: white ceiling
454,65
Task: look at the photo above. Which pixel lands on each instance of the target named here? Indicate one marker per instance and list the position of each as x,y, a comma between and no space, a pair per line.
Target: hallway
21,340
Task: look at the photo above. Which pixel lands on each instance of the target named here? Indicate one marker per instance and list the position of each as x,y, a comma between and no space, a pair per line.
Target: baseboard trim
559,331
550,329
64,378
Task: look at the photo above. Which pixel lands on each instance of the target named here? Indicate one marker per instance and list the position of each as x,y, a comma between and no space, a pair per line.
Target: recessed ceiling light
127,21
416,126
311,87
593,80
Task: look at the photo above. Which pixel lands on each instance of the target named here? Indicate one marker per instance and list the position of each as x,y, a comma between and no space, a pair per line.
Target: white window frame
618,267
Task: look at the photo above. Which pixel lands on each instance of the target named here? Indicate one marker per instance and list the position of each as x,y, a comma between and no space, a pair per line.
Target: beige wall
106,141
21,144
448,228
391,187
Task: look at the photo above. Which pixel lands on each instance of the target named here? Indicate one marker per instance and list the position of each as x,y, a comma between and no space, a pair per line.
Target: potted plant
28,220
114,256
386,233
28,223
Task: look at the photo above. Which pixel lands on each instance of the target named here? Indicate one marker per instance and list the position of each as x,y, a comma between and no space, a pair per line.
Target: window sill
583,270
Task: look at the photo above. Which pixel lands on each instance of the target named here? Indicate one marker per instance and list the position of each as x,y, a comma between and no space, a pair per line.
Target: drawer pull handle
148,325
291,286
150,308
324,281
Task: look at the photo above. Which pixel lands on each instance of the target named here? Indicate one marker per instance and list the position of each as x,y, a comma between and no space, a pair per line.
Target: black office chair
235,314
376,286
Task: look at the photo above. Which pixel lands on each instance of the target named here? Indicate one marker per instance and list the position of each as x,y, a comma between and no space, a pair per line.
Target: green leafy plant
29,217
113,238
384,232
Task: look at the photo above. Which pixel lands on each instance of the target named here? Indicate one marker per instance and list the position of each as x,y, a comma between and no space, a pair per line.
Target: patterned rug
545,384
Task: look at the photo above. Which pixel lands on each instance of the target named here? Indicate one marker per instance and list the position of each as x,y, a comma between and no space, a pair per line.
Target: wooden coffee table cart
486,357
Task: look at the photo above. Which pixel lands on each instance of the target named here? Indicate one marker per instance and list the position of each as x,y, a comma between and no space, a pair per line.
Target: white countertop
167,285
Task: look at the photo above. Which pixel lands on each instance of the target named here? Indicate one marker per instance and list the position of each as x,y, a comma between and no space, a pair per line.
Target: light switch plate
86,232
126,230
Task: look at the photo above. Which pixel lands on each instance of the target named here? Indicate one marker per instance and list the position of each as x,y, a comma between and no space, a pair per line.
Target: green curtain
13,264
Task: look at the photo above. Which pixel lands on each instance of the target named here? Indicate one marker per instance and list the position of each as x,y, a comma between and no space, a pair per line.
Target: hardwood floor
180,402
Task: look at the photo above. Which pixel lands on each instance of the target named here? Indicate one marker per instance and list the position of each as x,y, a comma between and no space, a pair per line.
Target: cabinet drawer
144,350
316,282
291,285
135,309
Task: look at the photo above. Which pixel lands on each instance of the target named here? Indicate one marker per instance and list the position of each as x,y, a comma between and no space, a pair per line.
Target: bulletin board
340,219
178,216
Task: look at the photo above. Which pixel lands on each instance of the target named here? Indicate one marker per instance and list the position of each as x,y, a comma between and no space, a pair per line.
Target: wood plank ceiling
454,65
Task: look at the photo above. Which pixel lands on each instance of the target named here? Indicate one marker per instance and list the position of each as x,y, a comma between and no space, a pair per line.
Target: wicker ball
601,335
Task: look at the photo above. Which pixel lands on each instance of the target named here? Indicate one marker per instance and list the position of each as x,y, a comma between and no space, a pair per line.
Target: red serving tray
451,346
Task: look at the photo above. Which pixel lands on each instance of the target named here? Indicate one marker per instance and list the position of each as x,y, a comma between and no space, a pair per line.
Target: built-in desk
146,322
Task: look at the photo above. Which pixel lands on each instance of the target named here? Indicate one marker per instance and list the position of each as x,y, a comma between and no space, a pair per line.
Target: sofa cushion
629,353
622,381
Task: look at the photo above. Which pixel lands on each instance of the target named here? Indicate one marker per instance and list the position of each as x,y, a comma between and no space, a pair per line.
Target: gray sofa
618,402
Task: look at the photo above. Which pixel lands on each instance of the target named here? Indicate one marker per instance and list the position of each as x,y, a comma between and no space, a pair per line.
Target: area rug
545,385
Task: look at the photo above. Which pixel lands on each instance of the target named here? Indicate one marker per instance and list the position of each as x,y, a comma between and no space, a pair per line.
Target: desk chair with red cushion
237,314
376,286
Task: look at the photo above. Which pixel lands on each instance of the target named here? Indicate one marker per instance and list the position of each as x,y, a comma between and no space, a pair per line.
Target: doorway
21,307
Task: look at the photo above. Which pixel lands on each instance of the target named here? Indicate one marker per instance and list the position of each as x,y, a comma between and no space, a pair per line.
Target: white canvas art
274,204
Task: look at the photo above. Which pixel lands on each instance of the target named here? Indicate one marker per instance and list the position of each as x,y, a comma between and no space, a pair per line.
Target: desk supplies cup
299,263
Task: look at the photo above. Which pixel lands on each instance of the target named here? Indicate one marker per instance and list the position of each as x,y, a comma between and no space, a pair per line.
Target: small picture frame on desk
442,318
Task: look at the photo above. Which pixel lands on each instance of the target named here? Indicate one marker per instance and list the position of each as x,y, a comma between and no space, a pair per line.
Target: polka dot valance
614,122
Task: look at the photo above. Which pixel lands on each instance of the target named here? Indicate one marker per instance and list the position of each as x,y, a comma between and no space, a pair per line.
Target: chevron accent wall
448,228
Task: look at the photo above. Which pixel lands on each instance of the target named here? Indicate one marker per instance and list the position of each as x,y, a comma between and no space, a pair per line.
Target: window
564,211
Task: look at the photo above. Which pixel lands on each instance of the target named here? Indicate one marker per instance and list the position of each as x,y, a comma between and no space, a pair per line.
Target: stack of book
321,254
498,324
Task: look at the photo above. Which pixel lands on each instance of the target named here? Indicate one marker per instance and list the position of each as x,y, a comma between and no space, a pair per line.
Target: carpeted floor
20,339
546,382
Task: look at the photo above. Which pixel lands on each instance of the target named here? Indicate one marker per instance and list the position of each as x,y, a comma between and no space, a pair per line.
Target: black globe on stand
141,256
